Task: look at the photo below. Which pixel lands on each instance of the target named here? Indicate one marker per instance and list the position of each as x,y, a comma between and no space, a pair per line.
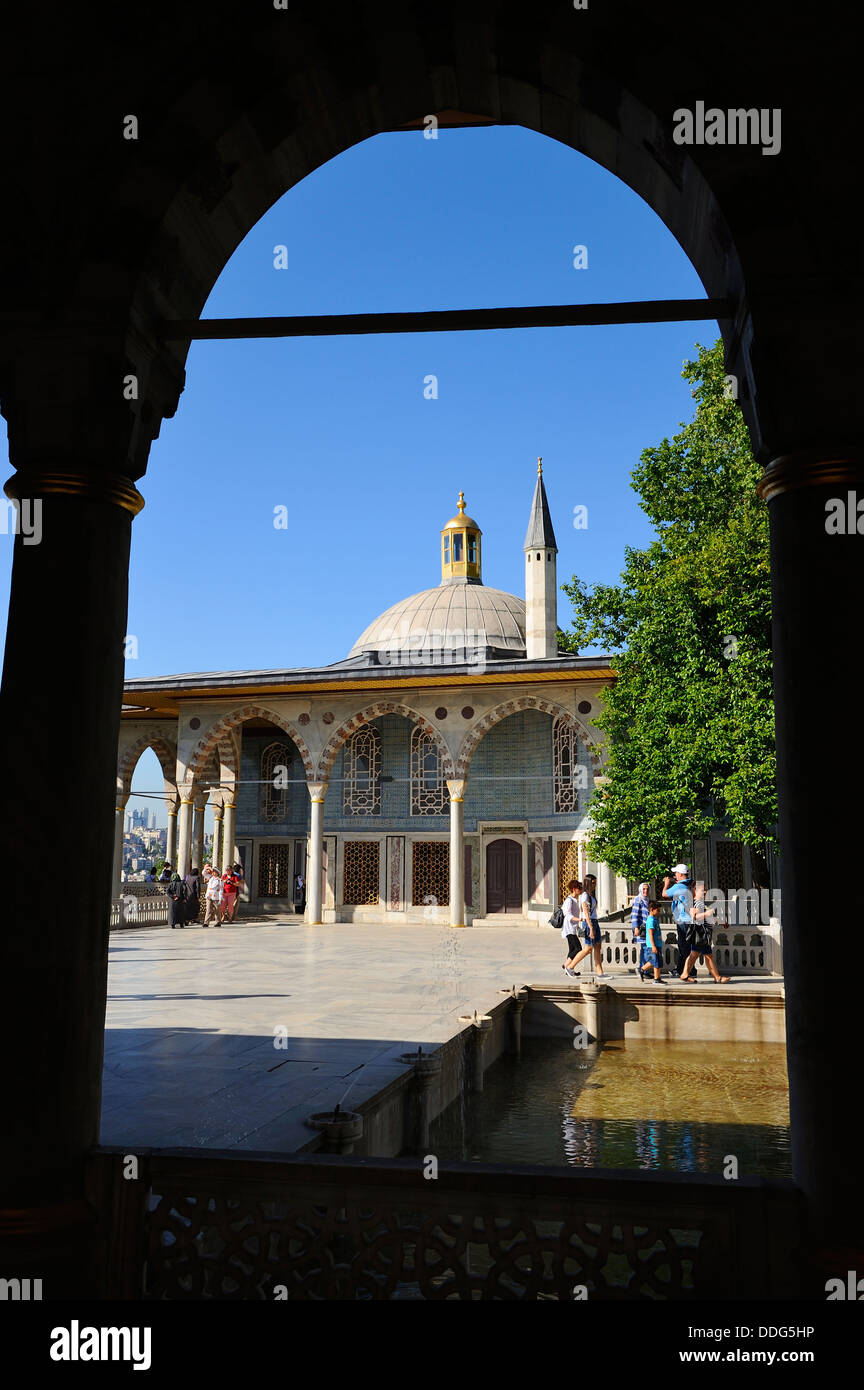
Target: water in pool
672,1106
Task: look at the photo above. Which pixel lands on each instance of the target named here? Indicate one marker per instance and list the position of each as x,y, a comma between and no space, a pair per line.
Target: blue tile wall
510,778
297,819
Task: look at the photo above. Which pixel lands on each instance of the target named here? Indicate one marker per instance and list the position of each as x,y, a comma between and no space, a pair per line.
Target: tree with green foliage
689,721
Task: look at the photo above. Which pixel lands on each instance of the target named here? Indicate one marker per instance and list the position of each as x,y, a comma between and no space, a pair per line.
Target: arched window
362,792
275,776
570,767
428,788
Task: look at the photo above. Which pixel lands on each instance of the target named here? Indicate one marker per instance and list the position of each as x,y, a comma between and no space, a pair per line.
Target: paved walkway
193,1015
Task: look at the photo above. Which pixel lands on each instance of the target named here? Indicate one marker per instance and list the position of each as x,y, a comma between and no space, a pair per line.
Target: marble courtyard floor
192,1016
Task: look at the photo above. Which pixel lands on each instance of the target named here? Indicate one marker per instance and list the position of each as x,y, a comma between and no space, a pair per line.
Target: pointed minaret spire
541,585
540,533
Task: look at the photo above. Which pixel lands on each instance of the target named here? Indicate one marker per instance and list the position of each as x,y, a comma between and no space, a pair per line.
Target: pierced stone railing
140,905
209,1225
746,950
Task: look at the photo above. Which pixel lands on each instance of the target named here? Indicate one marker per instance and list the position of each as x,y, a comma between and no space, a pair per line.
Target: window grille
362,792
568,771
361,878
275,879
430,873
428,787
730,865
568,866
273,800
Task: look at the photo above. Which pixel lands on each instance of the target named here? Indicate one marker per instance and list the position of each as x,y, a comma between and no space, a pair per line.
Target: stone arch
279,120
214,737
165,751
508,707
365,716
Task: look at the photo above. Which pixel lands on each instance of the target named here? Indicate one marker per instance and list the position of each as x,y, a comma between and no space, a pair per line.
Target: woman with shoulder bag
590,927
701,939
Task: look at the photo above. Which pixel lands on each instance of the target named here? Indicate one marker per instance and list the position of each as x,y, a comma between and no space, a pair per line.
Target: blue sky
338,429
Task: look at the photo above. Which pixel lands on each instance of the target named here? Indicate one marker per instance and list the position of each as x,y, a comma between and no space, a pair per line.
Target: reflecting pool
670,1106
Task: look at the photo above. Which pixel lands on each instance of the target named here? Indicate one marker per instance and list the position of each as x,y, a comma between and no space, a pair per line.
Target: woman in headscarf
176,891
193,896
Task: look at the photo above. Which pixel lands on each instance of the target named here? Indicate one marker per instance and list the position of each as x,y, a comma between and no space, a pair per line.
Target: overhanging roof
161,696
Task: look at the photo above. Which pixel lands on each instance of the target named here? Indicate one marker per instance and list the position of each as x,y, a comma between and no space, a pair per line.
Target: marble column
184,836
198,835
119,821
315,885
816,510
229,849
216,851
606,889
53,1075
171,837
457,852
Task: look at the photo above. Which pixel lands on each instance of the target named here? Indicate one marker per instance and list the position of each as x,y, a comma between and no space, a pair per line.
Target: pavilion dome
449,618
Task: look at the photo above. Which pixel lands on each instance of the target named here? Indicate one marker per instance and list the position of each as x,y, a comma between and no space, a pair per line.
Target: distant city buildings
143,844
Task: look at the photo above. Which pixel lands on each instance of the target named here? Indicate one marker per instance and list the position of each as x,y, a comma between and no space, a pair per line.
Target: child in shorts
652,949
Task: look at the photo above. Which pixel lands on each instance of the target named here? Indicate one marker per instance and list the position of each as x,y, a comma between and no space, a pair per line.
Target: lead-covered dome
450,618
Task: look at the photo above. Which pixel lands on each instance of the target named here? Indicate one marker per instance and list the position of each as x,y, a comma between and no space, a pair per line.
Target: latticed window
430,873
361,878
568,865
730,865
275,879
569,772
362,792
428,788
274,775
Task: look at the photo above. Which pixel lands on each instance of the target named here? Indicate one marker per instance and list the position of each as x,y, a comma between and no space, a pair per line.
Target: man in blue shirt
682,900
638,918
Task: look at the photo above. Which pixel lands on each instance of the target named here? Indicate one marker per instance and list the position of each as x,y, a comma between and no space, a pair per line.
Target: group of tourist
221,895
694,922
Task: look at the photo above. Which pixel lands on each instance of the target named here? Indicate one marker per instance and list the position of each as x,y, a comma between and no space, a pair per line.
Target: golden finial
539,468
461,501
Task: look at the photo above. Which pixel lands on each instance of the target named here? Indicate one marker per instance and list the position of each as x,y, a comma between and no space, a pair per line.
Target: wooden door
504,876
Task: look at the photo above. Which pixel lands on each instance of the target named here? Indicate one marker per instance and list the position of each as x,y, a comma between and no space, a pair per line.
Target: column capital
811,468
456,788
172,813
83,482
317,790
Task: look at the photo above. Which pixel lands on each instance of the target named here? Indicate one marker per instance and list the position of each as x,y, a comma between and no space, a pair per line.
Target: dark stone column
59,722
818,602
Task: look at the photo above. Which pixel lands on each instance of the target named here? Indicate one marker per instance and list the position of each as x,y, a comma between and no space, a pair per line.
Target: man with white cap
682,900
638,918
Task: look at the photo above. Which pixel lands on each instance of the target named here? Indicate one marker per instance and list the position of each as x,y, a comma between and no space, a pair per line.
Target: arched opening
385,820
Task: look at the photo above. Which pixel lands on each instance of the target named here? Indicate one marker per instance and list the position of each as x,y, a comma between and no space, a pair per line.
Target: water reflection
676,1107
